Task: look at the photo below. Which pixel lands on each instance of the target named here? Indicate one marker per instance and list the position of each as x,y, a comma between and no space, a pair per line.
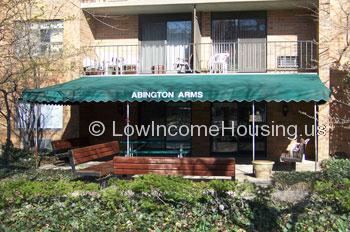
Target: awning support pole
127,124
316,134
36,119
253,122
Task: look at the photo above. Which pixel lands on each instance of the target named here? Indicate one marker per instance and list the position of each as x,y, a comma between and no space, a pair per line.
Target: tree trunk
8,144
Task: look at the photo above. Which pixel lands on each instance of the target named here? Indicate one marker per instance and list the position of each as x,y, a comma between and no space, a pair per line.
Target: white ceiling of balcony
122,7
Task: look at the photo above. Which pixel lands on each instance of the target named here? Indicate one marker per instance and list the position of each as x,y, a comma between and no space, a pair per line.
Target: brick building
168,38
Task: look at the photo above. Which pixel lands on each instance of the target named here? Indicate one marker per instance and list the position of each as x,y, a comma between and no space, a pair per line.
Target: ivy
54,201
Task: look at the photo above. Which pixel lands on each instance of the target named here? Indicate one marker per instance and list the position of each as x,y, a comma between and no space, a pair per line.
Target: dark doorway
238,113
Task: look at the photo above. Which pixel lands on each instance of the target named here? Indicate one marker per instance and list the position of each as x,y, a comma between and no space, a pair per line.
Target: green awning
187,87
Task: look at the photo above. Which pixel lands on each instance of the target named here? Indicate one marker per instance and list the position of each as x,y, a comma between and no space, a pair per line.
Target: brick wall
290,25
116,30
278,144
205,24
86,30
340,114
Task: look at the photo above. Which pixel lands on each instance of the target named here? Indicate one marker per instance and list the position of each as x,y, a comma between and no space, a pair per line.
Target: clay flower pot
263,168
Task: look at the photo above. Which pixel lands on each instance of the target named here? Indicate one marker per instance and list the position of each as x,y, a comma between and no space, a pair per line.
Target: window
40,38
50,116
169,114
225,113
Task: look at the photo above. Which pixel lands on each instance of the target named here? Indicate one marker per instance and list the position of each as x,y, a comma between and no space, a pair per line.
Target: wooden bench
98,152
189,166
61,147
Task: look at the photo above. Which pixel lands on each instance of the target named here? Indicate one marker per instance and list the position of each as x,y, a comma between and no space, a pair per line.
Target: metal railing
249,55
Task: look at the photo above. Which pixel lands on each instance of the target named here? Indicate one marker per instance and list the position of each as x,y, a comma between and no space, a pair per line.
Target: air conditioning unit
287,62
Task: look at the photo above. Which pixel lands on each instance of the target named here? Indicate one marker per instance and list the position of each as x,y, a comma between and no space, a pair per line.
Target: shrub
53,201
22,190
334,194
167,188
17,153
336,169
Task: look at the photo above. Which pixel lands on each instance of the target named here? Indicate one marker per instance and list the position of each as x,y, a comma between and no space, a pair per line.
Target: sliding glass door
179,37
171,115
243,36
165,41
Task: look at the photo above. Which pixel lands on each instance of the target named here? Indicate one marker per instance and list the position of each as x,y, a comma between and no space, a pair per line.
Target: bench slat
94,156
172,160
200,166
98,170
91,150
174,167
175,172
63,145
95,152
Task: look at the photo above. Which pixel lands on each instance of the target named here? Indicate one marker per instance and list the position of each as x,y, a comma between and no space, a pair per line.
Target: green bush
22,190
17,153
54,201
336,169
334,194
170,188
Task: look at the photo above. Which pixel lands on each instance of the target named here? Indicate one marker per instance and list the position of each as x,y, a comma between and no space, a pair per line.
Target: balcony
243,56
124,7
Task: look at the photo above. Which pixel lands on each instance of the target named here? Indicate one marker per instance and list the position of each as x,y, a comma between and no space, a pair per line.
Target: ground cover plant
47,200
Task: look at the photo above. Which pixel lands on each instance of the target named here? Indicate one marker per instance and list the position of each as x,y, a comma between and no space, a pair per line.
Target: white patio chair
119,63
108,64
88,63
182,66
218,61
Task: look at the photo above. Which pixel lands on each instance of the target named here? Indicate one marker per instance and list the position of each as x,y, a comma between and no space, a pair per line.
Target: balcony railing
161,58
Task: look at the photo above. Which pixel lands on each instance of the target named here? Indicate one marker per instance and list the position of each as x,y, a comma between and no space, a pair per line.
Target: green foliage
334,194
15,154
336,169
21,190
327,208
54,201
